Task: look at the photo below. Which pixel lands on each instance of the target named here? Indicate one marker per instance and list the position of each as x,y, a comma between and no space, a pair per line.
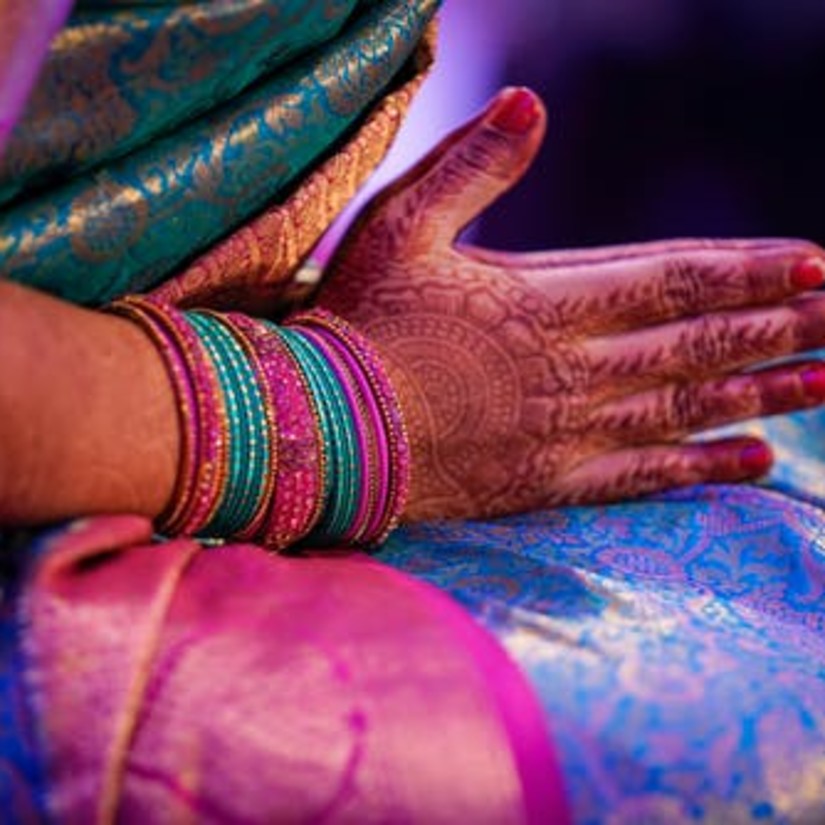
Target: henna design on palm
547,378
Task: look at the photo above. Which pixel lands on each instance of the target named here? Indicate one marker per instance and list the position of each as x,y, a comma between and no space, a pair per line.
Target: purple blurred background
667,117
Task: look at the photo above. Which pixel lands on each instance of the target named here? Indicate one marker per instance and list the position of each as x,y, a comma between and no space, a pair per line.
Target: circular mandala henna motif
470,384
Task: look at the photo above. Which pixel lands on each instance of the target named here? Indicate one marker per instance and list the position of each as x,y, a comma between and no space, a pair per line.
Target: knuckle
687,408
569,371
694,406
757,286
645,476
674,467
707,342
483,154
684,287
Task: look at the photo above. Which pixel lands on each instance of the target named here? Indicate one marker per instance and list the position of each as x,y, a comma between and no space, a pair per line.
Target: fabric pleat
113,81
126,227
231,685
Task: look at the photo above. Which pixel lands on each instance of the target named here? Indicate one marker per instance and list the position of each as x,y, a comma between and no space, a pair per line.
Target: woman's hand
530,380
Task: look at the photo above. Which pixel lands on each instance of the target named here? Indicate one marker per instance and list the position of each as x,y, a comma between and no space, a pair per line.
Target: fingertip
516,110
755,458
813,382
737,459
809,273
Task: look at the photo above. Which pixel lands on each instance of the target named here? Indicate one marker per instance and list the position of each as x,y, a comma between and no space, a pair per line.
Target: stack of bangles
288,432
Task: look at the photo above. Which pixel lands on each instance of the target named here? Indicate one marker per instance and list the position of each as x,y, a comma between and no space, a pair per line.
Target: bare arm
87,415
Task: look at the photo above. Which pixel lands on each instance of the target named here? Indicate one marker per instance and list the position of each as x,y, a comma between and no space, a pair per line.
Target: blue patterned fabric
677,645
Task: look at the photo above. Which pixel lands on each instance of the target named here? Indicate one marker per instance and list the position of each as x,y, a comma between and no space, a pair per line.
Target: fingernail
808,274
813,380
517,112
756,459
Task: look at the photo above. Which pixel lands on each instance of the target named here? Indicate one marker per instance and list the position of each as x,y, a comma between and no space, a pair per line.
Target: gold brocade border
253,270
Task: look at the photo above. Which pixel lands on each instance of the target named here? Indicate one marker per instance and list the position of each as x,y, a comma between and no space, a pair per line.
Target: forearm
222,424
87,414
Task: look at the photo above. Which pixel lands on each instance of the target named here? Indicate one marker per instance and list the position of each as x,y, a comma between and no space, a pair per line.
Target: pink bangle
202,470
297,502
391,435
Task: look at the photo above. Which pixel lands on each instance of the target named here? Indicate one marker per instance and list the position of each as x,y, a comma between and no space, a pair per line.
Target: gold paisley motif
253,269
125,212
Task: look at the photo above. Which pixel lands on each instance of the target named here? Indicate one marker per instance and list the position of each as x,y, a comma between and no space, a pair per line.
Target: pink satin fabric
26,29
177,684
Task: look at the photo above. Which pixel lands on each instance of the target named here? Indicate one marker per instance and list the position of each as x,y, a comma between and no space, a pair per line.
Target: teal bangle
254,450
220,524
256,456
263,436
343,480
248,448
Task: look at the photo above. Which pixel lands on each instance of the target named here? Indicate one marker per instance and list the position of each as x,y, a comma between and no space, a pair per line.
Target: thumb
467,171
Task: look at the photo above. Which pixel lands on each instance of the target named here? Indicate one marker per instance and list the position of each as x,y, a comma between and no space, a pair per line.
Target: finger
703,347
551,259
632,473
668,282
671,413
468,171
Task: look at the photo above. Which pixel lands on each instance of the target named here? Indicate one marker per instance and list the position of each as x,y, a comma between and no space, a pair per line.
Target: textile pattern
677,644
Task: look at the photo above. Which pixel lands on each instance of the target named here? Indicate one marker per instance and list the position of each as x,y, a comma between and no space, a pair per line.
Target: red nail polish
517,113
813,380
756,459
808,274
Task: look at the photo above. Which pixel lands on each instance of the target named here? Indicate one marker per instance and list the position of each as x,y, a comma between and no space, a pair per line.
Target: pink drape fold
176,684
26,29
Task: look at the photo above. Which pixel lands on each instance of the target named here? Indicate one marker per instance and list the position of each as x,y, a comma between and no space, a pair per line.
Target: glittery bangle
342,521
211,456
343,475
298,500
394,431
285,432
217,522
236,323
185,402
367,420
248,446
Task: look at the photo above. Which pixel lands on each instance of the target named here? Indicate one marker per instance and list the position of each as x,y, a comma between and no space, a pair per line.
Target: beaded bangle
368,424
218,522
298,490
266,489
339,523
249,459
212,425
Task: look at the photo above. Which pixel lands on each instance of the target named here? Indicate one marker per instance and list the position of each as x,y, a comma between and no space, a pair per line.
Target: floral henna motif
542,379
